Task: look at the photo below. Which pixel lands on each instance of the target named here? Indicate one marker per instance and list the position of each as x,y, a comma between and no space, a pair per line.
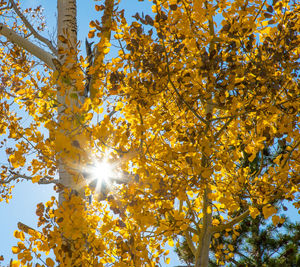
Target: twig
231,223
32,30
290,152
223,128
15,176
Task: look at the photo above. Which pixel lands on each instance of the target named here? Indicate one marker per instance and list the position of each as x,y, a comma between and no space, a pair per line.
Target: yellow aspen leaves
200,121
19,234
17,160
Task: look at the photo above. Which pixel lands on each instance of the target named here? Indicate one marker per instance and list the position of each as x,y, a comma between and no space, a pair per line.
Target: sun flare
102,172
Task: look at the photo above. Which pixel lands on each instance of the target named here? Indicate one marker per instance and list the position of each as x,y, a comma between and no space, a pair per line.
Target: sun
102,171
102,174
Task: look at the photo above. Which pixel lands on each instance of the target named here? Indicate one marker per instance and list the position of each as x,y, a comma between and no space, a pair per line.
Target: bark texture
66,28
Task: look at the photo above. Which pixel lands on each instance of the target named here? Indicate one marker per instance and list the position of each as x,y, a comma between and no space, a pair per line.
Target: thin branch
261,164
30,47
32,30
27,229
290,153
15,176
193,219
234,221
223,128
260,9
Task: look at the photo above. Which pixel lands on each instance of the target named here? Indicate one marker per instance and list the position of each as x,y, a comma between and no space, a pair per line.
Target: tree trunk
66,27
202,254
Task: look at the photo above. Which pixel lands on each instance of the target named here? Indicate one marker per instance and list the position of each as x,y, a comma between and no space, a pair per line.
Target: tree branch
231,223
105,37
192,230
32,30
15,176
27,229
190,242
290,153
30,47
223,128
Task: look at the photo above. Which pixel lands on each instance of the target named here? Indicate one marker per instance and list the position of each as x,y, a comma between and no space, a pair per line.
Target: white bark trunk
67,27
202,254
30,47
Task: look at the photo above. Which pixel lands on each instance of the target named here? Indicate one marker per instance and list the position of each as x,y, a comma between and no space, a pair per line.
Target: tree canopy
183,117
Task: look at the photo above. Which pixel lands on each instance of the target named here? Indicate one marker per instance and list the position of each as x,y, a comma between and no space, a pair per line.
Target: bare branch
32,30
30,47
231,223
15,176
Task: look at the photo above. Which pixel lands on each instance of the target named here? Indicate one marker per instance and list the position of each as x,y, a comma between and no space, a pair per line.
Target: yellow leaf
118,36
194,238
168,260
268,211
190,193
282,220
183,227
171,242
16,234
254,212
15,250
275,219
231,247
36,178
21,245
20,235
119,106
88,116
15,263
49,262
252,157
106,50
215,222
217,235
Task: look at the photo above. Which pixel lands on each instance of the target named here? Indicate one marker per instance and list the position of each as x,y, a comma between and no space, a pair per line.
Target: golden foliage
197,95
